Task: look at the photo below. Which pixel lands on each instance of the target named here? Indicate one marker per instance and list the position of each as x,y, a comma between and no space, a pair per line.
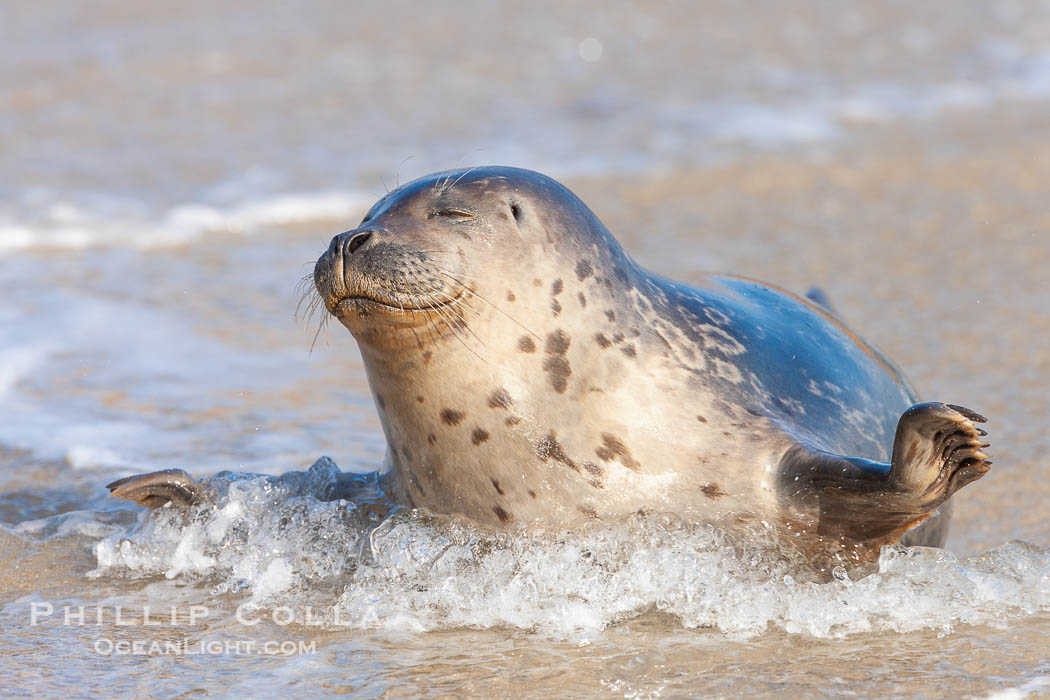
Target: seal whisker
456,335
312,299
397,174
320,327
415,335
429,325
311,309
447,306
306,282
439,183
436,327
461,307
437,307
455,325
455,182
482,298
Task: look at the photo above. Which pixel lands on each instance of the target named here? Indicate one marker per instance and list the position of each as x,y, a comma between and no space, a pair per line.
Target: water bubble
590,49
840,574
277,542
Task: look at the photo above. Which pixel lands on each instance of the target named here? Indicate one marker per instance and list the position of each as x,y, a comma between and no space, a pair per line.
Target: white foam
804,110
65,225
770,128
276,541
94,457
56,370
277,577
16,363
1022,691
14,236
77,522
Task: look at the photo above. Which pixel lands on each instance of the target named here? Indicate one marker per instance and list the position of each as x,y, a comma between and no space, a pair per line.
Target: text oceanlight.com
186,647
174,617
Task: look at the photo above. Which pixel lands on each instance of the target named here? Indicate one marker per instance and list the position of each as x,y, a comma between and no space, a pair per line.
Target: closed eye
454,214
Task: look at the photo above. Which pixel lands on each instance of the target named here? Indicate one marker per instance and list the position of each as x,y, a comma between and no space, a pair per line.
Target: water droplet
590,49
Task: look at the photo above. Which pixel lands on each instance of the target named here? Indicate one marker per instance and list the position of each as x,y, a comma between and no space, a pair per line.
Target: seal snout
330,272
367,274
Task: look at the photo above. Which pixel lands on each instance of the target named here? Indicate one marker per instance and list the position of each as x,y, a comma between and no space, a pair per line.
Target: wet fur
527,373
618,390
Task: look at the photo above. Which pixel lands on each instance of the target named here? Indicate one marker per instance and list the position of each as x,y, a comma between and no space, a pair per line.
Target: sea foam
278,542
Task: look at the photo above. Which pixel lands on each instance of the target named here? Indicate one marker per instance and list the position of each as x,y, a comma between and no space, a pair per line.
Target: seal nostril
515,209
357,241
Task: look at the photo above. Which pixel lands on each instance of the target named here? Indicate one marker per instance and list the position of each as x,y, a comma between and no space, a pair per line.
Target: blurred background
169,171
126,122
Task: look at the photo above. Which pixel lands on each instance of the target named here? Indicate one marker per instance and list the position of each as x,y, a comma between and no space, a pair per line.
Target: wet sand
149,248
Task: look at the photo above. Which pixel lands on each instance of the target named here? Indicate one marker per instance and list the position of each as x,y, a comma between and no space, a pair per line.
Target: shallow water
168,175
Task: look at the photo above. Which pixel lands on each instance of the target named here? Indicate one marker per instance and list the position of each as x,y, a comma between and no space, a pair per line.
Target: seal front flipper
937,450
157,488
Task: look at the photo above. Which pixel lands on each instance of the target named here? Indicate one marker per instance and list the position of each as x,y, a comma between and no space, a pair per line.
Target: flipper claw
972,415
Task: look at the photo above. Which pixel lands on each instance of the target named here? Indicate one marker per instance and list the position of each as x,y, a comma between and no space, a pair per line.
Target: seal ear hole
515,210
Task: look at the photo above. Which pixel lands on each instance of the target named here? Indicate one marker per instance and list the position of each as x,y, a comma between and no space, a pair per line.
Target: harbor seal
528,373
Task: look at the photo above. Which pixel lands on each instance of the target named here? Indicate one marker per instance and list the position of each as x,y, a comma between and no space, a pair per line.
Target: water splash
278,541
